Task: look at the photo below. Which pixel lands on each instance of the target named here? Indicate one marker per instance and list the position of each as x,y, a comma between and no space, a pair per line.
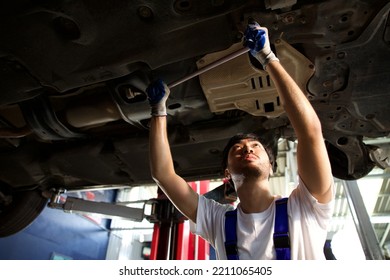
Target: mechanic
248,164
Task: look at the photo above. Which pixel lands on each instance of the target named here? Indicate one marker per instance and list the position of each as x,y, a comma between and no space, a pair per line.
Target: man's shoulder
212,205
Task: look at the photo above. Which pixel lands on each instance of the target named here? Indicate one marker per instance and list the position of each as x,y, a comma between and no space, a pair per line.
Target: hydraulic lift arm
153,210
109,210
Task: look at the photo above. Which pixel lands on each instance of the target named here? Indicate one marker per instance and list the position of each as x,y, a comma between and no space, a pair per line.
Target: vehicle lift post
172,239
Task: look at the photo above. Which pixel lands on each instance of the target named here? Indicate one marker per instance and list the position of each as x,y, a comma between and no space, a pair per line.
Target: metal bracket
381,159
164,211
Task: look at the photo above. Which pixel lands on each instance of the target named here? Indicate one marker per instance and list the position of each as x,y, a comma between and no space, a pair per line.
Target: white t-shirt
308,220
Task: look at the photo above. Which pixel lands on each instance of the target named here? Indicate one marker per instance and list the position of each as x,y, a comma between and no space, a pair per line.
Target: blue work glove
256,39
158,93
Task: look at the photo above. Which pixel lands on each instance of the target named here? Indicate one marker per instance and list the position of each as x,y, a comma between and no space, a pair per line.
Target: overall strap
281,234
231,235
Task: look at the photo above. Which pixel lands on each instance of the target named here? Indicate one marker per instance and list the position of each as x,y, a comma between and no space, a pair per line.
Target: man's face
249,158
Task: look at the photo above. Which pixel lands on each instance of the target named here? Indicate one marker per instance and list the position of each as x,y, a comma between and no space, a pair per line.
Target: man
248,165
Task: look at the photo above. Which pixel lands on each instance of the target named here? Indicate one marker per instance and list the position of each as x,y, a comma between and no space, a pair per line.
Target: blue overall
281,236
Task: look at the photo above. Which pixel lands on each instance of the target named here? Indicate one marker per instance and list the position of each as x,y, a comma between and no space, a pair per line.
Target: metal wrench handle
209,66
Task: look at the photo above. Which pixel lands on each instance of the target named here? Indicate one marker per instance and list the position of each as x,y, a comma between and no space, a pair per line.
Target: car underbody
73,109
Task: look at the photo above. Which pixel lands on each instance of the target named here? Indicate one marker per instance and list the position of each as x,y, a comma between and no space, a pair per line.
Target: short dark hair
241,136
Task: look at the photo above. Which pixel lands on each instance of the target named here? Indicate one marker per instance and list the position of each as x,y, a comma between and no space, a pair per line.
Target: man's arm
313,162
312,157
161,163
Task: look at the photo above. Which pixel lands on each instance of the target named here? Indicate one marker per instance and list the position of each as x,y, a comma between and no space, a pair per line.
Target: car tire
24,208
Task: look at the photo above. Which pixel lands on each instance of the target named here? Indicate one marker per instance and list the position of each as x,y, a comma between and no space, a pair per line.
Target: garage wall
58,235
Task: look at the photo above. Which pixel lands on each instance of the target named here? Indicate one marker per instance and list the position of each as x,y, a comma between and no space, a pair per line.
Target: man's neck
255,196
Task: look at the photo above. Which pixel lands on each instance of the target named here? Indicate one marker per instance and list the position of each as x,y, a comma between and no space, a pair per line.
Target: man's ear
271,170
227,174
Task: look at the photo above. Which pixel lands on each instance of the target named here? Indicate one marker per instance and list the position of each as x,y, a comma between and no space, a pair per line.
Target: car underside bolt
145,12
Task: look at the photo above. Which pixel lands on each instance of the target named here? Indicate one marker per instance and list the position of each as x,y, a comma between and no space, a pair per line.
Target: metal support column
362,221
